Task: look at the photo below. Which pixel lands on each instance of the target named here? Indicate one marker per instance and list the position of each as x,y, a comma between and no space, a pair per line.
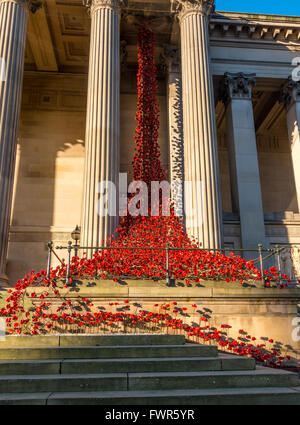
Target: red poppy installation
153,234
146,164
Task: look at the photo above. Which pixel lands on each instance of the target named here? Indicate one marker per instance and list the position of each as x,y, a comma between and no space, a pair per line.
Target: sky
274,7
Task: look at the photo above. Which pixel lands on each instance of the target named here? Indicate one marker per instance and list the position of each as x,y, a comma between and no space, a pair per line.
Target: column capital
32,5
94,5
290,92
236,86
172,57
184,8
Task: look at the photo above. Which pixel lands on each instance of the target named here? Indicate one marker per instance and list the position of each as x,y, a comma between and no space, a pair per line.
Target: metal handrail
164,247
260,250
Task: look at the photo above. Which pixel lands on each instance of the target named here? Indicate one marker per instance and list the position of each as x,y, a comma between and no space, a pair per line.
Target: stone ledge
23,341
159,289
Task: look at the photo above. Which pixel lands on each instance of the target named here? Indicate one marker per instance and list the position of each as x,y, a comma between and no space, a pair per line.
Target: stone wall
263,313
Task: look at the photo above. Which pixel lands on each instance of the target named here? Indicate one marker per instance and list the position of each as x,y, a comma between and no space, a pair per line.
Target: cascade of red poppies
148,230
147,166
153,231
143,232
146,163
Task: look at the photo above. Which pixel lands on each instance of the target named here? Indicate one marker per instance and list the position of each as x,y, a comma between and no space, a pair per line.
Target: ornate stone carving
290,92
94,5
184,8
32,5
290,261
236,86
286,263
295,254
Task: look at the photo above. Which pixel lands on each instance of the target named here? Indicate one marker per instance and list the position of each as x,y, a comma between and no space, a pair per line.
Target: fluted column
102,122
202,196
175,125
13,24
236,93
290,96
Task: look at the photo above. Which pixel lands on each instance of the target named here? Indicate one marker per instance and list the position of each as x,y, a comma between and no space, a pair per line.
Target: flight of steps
136,370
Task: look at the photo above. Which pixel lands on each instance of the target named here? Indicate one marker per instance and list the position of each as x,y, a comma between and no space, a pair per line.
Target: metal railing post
76,249
50,246
261,263
277,253
168,264
96,271
70,247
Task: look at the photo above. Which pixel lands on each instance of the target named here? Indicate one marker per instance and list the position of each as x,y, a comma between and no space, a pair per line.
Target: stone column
13,24
290,96
102,122
202,196
236,93
175,125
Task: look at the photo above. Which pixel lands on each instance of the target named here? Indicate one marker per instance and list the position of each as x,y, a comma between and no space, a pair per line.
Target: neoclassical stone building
229,109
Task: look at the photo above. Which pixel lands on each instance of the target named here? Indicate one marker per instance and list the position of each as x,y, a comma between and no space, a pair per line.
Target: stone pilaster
102,122
13,24
175,125
290,96
236,93
202,196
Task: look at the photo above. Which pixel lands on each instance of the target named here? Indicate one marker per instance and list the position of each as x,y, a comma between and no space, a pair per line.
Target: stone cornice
236,86
184,8
94,5
290,92
256,17
32,5
243,27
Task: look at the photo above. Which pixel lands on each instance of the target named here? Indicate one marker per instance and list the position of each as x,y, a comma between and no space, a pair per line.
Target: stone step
22,341
179,364
262,377
90,352
29,367
221,396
